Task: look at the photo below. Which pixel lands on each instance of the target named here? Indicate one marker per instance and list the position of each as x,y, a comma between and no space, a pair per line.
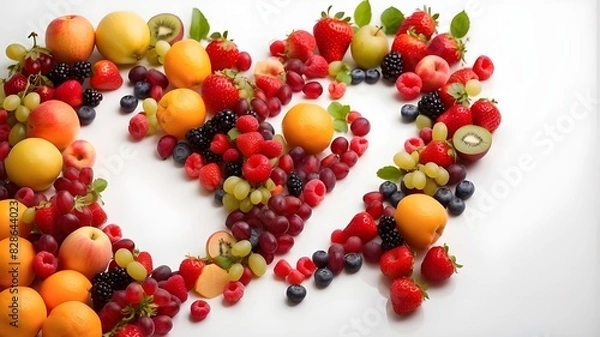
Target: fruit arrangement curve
210,108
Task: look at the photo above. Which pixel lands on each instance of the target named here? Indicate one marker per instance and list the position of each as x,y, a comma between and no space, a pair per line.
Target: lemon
35,163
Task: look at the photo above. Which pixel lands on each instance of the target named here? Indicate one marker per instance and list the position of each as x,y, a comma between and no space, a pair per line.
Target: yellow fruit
72,319
123,37
180,110
16,262
11,210
308,125
34,162
186,64
420,219
64,286
24,307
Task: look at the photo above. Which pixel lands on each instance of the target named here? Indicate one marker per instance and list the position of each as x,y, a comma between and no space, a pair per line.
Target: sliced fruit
219,244
211,281
471,142
165,26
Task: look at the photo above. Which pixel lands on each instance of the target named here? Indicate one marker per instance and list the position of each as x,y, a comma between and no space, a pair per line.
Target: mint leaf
335,110
391,19
340,125
200,27
459,27
391,173
99,185
362,13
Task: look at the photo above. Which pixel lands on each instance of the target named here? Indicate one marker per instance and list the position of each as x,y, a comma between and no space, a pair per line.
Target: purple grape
279,176
242,107
296,225
261,108
278,225
457,173
304,212
266,216
267,242
161,273
234,217
328,178
296,66
241,230
297,153
335,262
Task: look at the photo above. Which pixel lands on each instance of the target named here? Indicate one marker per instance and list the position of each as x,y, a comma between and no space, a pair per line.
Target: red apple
79,154
434,71
71,38
87,250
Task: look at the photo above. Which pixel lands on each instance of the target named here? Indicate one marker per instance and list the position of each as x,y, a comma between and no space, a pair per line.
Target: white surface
529,239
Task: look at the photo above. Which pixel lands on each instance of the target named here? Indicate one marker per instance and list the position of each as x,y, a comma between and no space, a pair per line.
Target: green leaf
344,76
200,27
340,125
99,185
339,15
233,133
391,173
362,13
459,27
391,19
335,110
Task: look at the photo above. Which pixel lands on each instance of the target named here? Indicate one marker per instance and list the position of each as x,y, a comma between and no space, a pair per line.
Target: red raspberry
295,277
210,176
483,67
138,126
249,143
359,145
316,67
409,86
231,155
220,143
193,164
113,232
282,269
246,123
271,148
199,310
256,169
413,144
233,292
98,215
306,266
175,285
336,90
44,264
190,269
314,192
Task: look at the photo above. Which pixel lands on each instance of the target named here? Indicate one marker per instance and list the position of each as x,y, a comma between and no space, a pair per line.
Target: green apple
369,46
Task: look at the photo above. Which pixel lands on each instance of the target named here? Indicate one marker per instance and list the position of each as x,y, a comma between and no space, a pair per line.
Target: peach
71,38
87,250
212,281
79,154
54,121
434,71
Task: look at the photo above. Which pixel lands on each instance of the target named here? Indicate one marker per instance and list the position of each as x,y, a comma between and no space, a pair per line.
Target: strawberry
271,148
300,44
98,215
406,295
222,52
46,93
15,84
210,176
176,286
462,76
130,330
333,35
455,117
105,76
397,262
362,225
249,143
453,93
220,143
70,92
421,21
447,47
437,265
221,90
486,114
246,123
146,260
45,218
190,269
439,152
411,47
316,67
268,84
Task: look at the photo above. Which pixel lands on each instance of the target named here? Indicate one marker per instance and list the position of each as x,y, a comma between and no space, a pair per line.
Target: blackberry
225,120
211,157
232,169
106,283
121,278
59,73
391,67
81,70
294,184
431,105
201,137
390,238
91,97
101,294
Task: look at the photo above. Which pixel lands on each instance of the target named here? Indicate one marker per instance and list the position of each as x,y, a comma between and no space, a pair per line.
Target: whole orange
420,219
11,214
55,121
63,286
180,110
22,312
309,126
16,262
72,319
187,64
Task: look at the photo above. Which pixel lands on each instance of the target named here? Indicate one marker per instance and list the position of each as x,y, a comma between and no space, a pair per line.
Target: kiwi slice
471,142
165,26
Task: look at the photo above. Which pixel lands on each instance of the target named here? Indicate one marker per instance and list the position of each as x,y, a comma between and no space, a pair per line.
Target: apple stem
378,29
33,35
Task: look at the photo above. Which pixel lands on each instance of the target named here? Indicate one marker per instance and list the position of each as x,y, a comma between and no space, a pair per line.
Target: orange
180,110
55,121
72,319
308,125
34,162
64,286
186,64
28,308
420,219
11,214
16,262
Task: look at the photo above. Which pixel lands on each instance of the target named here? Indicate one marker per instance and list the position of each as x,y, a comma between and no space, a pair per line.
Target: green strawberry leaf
344,76
362,13
391,173
339,15
340,125
200,27
99,185
391,19
338,111
459,27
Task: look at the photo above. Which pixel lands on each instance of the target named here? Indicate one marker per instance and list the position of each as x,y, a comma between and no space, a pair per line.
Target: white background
528,241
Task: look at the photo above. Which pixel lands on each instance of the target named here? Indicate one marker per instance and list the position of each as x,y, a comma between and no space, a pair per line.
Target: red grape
296,225
266,216
161,273
234,217
31,66
260,107
295,81
244,61
47,243
310,164
340,170
150,286
161,297
46,62
67,223
274,105
267,242
155,77
327,176
285,242
86,175
312,90
360,126
170,309
71,173
134,293
146,324
304,212
277,48
277,226
372,251
339,145
124,243
242,107
296,66
297,153
163,324
284,94
278,176
137,74
240,230
349,158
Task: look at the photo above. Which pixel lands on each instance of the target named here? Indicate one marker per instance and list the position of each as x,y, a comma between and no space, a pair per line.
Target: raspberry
282,269
316,67
413,144
44,264
409,86
193,164
271,148
113,232
199,310
231,155
314,192
359,145
337,89
256,169
210,176
233,292
306,266
98,215
175,285
165,146
249,143
295,277
190,269
138,126
219,144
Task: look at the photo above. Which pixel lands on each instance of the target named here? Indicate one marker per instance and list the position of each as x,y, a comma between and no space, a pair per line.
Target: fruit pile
211,108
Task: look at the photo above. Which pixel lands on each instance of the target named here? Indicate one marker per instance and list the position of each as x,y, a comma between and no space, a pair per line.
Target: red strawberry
411,47
271,148
333,35
221,90
190,269
220,143
46,93
453,93
362,225
462,76
437,265
268,84
439,152
176,286
486,114
70,92
447,47
455,117
98,215
406,295
15,84
45,219
222,52
421,21
210,176
105,76
130,330
397,262
146,260
246,123
316,67
249,143
300,44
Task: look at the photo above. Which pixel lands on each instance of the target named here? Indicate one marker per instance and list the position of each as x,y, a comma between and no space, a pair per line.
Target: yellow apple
369,46
123,37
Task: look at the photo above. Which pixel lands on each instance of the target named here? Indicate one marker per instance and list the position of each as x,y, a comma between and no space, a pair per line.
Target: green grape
440,131
430,187
408,181
335,67
257,264
162,47
241,190
423,121
17,134
31,100
269,184
415,155
137,271
246,205
230,202
241,248
256,197
419,179
230,182
404,161
16,51
160,59
153,121
28,215
152,57
473,87
149,105
442,177
431,169
22,113
235,272
266,195
123,257
11,102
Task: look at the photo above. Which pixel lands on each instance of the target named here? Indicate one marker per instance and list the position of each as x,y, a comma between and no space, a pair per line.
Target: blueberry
253,238
352,262
443,195
295,293
141,89
320,258
409,112
387,188
219,193
395,198
456,206
372,76
86,114
358,76
465,189
181,151
128,103
323,277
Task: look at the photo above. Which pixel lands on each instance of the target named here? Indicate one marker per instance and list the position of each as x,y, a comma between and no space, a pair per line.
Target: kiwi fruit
471,142
165,26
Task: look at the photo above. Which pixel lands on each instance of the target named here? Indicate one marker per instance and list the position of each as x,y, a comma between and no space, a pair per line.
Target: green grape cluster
18,109
241,194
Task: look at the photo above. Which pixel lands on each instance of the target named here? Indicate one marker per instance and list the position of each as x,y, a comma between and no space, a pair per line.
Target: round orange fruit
420,219
22,312
35,163
309,126
11,219
180,110
63,286
72,319
187,64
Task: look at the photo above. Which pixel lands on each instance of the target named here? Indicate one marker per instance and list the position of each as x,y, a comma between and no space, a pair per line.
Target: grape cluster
18,108
240,194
